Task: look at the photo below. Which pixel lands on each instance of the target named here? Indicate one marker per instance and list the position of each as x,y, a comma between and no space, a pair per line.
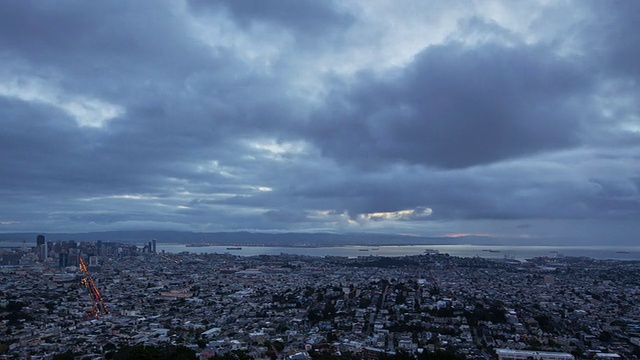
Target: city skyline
437,119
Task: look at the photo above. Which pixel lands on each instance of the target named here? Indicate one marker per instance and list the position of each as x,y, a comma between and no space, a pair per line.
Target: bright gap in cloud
330,216
633,126
121,196
214,167
9,222
87,112
278,150
261,46
465,234
516,236
412,214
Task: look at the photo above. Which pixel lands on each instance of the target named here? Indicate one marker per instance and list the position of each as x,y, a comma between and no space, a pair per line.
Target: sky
512,120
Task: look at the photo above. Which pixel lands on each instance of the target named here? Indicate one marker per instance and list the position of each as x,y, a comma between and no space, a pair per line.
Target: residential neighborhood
300,307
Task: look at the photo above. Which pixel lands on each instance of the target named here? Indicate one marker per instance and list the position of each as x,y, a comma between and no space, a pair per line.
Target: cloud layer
433,119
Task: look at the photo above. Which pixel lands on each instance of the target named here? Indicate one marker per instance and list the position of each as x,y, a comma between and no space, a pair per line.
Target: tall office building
63,260
153,246
74,255
42,248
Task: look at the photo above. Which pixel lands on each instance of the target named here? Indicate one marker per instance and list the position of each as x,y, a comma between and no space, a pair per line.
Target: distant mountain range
252,238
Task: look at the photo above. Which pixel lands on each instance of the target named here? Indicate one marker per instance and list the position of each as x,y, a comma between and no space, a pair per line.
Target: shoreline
519,252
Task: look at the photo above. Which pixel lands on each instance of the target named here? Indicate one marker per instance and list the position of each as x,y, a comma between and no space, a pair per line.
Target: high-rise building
63,260
510,354
74,255
42,248
10,259
153,246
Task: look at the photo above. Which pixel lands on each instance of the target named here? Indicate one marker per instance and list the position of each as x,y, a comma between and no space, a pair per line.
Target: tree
183,353
278,345
150,352
233,355
141,352
448,354
329,310
67,355
605,336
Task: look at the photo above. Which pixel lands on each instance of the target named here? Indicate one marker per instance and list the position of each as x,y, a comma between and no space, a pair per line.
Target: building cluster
299,307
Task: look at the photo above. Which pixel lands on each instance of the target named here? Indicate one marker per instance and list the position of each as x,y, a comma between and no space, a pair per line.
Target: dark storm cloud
612,38
457,106
144,57
44,150
286,216
181,100
37,143
100,43
220,122
507,192
301,16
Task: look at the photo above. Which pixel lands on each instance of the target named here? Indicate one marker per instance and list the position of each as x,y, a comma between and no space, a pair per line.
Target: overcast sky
517,120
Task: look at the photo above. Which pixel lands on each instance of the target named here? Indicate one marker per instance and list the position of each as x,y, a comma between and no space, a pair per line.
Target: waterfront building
510,354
